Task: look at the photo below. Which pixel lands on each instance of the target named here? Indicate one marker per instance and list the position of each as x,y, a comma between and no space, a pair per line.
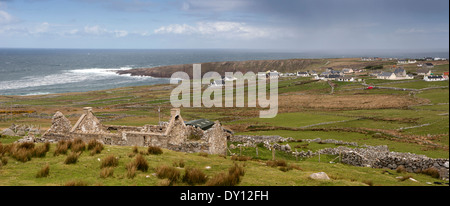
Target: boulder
8,132
446,164
319,176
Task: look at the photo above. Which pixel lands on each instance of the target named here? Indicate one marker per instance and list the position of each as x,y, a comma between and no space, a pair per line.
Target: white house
411,61
347,70
387,75
345,79
424,72
303,74
402,61
434,78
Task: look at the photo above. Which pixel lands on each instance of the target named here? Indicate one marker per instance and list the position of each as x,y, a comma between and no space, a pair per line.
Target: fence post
273,153
256,151
319,155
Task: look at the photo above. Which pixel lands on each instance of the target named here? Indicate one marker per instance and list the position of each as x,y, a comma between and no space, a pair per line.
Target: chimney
174,112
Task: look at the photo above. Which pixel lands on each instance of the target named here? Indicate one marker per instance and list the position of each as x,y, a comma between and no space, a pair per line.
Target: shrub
131,170
109,161
4,161
141,163
76,183
433,172
401,169
154,150
135,149
42,150
72,158
26,145
167,172
194,176
92,144
61,148
44,171
107,172
231,179
179,163
96,150
240,158
78,145
276,163
22,155
203,154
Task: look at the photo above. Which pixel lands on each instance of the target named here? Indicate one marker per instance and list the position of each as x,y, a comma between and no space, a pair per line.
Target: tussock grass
61,147
194,176
240,158
276,163
44,172
433,172
203,154
76,183
179,163
232,178
107,172
141,163
92,144
168,172
72,158
131,170
78,145
109,161
154,150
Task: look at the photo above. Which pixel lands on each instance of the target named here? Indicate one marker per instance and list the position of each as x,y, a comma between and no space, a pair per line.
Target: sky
300,25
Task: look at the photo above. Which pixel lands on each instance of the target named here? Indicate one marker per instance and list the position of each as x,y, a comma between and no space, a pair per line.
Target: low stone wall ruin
362,156
174,135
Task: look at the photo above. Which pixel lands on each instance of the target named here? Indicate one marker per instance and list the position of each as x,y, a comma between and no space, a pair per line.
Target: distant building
303,74
402,61
387,75
272,74
347,71
424,72
428,66
345,79
411,61
434,78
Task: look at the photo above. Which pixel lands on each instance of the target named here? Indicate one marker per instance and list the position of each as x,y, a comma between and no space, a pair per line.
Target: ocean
50,71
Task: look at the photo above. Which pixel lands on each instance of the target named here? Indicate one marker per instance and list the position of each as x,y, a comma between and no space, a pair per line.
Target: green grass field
400,126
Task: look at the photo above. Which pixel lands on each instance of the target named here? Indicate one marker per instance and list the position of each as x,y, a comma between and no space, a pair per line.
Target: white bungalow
434,78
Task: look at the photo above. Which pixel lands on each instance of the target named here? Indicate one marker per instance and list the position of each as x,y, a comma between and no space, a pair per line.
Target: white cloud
213,5
223,29
5,18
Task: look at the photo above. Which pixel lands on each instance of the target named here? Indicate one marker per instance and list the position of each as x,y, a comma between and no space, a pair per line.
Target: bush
154,150
72,158
231,179
76,183
135,149
240,158
179,163
44,171
4,161
96,150
433,172
92,144
109,161
141,163
276,163
167,172
42,150
61,148
22,155
78,145
401,169
131,170
107,172
194,176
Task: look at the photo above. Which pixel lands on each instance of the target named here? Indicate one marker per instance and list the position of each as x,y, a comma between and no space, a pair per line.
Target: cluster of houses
399,73
402,60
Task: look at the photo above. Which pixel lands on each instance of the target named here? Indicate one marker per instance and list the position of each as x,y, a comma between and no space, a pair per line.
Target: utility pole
159,115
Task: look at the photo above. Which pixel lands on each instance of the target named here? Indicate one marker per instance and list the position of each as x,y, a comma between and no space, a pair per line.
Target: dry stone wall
362,156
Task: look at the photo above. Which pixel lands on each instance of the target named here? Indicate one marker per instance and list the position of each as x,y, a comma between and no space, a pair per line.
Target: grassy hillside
405,121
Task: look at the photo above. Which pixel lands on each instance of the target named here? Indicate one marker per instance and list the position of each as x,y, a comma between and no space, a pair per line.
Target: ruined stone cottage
174,135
